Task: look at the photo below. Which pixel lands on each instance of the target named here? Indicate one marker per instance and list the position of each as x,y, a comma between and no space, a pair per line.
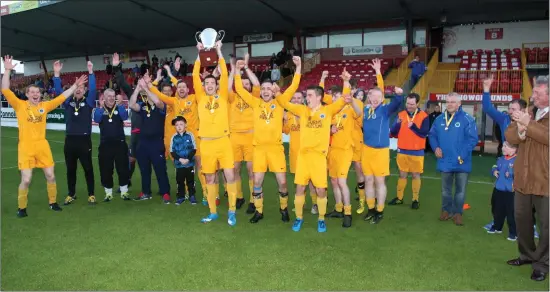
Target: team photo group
234,120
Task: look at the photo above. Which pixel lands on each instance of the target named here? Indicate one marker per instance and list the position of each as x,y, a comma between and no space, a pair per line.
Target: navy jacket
459,140
183,146
114,130
152,126
81,123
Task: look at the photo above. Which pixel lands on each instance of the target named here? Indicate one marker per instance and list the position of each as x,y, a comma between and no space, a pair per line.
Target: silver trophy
208,37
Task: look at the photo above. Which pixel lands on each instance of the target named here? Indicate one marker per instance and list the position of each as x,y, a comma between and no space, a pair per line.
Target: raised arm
119,77
284,99
10,96
512,134
92,88
396,101
145,83
251,75
132,103
197,82
286,123
231,78
224,82
377,66
243,93
327,98
335,107
169,100
57,66
54,103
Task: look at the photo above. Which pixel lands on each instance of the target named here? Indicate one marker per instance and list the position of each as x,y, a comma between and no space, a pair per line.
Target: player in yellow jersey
268,128
291,127
33,150
341,153
185,105
241,126
214,134
315,120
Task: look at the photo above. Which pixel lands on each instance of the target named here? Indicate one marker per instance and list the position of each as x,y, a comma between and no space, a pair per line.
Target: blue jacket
503,120
376,127
459,140
80,124
417,68
152,126
183,146
505,167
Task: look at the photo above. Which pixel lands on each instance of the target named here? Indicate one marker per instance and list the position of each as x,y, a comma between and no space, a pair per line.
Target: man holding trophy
214,124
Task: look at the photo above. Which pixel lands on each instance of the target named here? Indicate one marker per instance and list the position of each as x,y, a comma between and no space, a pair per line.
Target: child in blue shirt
183,149
502,200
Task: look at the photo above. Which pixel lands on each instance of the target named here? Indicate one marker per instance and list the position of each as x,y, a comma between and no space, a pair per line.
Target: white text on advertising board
503,98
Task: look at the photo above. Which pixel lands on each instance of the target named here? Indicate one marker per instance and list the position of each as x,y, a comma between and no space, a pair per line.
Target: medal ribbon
146,101
111,112
448,121
414,115
76,105
267,114
339,117
371,112
212,104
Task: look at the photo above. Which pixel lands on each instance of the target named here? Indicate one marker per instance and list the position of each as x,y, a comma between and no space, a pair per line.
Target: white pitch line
53,141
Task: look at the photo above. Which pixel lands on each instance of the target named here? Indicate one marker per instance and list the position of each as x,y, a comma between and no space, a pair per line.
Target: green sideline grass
150,246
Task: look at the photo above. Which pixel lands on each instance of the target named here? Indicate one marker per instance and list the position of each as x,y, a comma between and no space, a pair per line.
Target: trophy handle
221,35
197,36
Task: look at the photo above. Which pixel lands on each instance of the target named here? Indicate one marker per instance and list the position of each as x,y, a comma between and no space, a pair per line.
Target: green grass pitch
151,246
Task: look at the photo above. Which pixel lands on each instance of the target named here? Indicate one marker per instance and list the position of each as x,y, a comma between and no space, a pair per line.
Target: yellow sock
22,198
347,210
401,185
416,188
362,195
299,201
52,192
259,204
202,180
313,194
239,189
370,202
339,207
322,206
283,202
380,208
251,188
232,195
211,197
216,190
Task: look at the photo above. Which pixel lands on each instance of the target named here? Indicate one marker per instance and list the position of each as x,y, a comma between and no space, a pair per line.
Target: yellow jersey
185,107
212,110
241,115
31,119
344,121
268,116
314,123
291,127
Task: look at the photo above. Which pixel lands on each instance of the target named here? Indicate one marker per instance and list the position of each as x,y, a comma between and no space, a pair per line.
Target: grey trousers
524,205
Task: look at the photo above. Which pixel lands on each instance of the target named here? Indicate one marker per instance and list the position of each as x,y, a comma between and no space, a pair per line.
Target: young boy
503,194
183,149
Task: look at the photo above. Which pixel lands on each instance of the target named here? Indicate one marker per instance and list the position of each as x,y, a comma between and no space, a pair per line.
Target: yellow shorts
272,157
410,163
293,159
357,151
375,161
217,152
242,146
339,161
311,166
36,154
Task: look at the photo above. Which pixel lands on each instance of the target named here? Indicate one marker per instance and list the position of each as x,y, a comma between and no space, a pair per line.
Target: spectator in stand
109,68
275,74
298,51
183,68
155,60
282,57
417,70
39,83
272,61
171,62
143,68
531,180
136,69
